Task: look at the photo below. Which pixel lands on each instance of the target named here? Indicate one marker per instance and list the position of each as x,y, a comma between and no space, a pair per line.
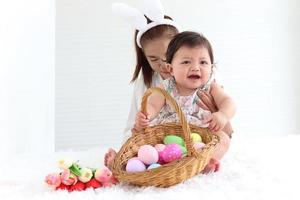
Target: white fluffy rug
254,168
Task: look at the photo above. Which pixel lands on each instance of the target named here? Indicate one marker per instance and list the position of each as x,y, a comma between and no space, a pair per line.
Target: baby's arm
155,103
226,108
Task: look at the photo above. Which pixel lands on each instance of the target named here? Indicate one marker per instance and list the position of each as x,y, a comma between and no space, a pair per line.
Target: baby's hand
217,121
141,121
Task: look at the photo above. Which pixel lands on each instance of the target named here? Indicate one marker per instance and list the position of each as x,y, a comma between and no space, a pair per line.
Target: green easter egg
173,139
184,151
196,137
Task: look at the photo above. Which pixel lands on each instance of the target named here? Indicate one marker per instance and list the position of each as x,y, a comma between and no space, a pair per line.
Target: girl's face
155,52
191,68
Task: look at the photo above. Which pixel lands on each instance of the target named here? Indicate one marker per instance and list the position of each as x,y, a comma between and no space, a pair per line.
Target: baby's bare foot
212,166
109,158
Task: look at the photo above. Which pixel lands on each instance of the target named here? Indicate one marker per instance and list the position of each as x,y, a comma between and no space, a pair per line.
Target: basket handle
185,127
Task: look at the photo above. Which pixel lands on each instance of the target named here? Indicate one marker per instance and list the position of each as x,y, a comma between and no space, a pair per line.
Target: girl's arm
223,101
226,109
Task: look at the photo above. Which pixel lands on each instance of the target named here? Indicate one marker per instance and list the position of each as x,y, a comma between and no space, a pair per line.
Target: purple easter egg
171,152
148,154
135,165
133,158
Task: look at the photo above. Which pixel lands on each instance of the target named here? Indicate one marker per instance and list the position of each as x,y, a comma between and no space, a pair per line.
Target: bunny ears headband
153,9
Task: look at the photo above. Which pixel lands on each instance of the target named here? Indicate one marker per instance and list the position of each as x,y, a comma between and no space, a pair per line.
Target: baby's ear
169,68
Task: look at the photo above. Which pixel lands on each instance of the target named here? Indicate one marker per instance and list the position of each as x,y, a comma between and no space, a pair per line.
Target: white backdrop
27,76
256,46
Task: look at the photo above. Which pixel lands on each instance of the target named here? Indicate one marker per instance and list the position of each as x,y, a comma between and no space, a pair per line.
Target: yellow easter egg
196,137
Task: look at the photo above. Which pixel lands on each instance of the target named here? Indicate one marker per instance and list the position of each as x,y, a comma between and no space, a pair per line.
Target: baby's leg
221,149
109,158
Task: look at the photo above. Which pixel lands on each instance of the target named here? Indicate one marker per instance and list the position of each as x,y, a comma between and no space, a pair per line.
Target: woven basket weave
171,173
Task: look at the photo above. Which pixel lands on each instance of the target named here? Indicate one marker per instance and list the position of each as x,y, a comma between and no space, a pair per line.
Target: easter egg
159,147
198,145
183,150
148,154
153,166
160,158
196,137
135,165
173,139
133,158
171,152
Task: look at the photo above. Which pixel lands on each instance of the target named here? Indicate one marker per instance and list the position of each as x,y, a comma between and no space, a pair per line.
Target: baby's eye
154,60
203,62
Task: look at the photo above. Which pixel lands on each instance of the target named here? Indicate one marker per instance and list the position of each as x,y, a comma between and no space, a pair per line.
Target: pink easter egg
198,145
135,165
160,158
171,152
159,147
148,154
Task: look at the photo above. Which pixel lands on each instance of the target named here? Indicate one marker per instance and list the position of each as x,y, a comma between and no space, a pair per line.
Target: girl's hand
200,103
217,121
141,121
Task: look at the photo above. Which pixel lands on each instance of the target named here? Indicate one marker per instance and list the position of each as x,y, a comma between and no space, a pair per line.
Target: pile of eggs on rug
150,157
73,177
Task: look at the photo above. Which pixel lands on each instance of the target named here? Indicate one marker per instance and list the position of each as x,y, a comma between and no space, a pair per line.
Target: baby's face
191,68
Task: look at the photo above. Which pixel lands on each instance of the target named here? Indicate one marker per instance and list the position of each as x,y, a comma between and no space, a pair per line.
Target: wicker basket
171,173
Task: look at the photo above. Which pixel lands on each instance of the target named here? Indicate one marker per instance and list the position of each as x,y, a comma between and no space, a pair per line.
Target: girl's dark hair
188,39
141,60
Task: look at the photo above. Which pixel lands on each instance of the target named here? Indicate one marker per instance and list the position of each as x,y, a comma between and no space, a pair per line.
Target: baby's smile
194,76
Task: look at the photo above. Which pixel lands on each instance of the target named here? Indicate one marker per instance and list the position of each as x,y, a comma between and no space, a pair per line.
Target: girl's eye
185,62
154,60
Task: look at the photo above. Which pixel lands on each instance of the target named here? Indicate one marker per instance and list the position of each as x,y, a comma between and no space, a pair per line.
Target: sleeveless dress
188,104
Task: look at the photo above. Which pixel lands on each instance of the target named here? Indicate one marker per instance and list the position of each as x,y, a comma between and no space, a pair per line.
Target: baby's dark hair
189,39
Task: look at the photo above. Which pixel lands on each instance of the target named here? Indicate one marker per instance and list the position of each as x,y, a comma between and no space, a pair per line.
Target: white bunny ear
153,9
130,15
